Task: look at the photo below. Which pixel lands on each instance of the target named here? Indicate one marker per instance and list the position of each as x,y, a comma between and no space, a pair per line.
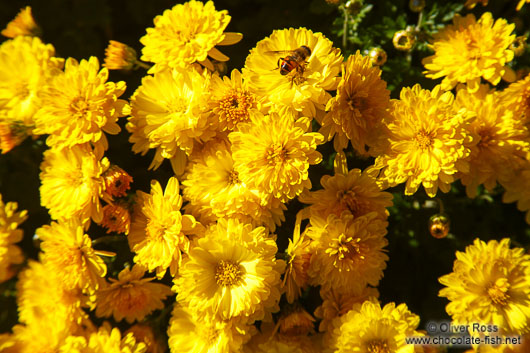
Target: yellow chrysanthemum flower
298,254
428,141
170,113
10,254
131,297
357,112
72,183
274,153
45,305
355,192
232,101
214,190
120,56
517,189
106,339
502,140
468,50
347,252
26,65
158,230
231,272
190,334
337,303
185,34
79,105
116,218
22,25
375,329
271,341
305,87
68,252
490,283
516,97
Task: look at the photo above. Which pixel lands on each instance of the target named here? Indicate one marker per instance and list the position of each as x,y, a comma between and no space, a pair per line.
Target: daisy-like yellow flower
274,153
337,303
232,101
214,190
170,113
131,297
46,305
22,25
490,283
191,334
294,320
347,252
26,65
79,106
305,87
357,112
72,183
68,251
105,339
159,231
116,218
10,254
231,272
355,192
375,329
502,140
468,50
428,141
186,34
516,98
120,56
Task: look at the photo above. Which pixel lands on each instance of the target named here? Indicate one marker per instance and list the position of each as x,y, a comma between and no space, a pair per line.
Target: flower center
346,248
486,136
227,273
474,51
357,104
233,178
155,231
349,200
498,291
177,105
235,107
424,139
276,154
79,106
377,346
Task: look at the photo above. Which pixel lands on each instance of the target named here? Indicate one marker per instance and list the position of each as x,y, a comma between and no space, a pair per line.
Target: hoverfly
296,59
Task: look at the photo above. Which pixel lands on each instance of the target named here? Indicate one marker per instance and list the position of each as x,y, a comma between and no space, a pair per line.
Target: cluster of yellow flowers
241,147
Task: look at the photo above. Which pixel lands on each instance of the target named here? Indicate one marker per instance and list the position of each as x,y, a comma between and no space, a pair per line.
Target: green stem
143,65
108,239
420,19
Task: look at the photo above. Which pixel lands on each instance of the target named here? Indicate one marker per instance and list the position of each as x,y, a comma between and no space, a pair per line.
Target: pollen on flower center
177,105
228,273
347,248
276,154
79,106
424,139
498,292
233,178
377,346
235,106
486,136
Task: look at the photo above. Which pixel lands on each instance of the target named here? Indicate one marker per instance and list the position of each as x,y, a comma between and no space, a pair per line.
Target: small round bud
416,5
377,56
518,46
404,40
439,226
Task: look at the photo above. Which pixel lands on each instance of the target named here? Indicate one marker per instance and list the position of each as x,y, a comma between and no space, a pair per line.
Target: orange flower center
347,248
498,292
235,106
276,154
228,273
377,346
424,139
233,178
